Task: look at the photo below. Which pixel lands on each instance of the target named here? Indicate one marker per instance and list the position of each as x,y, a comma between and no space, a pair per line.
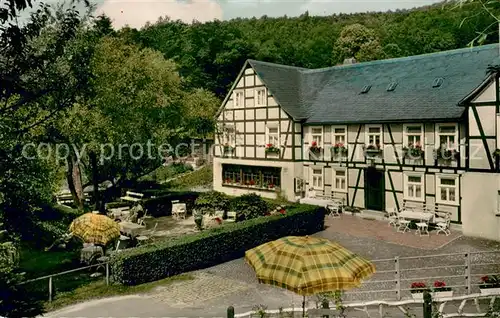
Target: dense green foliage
162,206
201,177
210,55
191,252
161,174
211,201
249,206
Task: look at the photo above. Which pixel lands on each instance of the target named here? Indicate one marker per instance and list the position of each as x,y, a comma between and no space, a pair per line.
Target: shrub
162,206
249,206
210,201
201,177
211,247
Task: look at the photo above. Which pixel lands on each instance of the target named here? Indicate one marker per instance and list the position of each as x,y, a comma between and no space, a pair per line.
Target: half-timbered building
418,129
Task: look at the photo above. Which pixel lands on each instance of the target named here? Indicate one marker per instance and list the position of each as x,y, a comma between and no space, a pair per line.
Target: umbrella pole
304,306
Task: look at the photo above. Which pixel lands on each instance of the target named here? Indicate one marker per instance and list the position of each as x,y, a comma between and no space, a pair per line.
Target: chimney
352,60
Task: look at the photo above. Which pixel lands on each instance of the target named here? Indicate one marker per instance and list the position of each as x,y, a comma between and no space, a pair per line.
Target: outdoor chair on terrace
422,228
333,210
143,239
392,215
231,216
403,224
443,224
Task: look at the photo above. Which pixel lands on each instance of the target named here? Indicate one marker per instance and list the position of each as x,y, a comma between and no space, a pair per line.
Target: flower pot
442,294
490,291
417,296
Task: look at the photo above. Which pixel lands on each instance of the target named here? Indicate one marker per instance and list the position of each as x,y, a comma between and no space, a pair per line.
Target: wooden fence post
427,305
230,312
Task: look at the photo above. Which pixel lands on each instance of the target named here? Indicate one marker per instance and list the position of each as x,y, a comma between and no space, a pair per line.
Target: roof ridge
298,68
401,59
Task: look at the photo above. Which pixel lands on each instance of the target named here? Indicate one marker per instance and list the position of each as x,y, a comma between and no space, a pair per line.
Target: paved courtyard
233,283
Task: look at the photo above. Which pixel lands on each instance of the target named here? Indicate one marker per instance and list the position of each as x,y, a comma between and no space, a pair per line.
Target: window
339,180
273,135
447,136
374,135
339,135
317,136
238,100
260,97
317,178
414,187
413,134
229,135
447,189
251,176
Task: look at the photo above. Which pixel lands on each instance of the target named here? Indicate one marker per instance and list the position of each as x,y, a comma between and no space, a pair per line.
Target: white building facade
420,129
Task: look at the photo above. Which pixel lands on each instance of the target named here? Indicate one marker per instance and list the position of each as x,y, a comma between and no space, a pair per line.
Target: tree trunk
95,180
74,179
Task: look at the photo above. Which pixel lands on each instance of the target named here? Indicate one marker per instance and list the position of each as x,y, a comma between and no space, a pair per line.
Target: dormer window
437,82
365,89
392,86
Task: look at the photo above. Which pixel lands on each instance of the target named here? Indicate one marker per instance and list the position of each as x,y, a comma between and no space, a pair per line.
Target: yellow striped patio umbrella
308,265
95,228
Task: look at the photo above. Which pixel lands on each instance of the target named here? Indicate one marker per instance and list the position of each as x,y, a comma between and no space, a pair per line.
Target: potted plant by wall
490,285
339,150
417,290
372,150
445,154
272,149
413,151
440,290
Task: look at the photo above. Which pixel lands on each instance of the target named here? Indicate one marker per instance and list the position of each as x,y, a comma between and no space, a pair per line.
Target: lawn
74,287
99,289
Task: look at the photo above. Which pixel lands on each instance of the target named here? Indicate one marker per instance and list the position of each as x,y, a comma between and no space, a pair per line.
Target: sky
136,13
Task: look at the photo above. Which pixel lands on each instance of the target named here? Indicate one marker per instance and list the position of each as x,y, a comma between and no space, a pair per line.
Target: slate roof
333,95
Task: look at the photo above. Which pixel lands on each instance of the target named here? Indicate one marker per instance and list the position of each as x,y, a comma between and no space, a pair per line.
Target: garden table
131,229
414,215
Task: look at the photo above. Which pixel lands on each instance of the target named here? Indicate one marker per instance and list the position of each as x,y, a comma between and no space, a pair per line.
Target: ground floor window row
414,184
251,176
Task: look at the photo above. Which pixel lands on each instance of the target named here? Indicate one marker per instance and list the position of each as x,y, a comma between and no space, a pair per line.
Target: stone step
372,215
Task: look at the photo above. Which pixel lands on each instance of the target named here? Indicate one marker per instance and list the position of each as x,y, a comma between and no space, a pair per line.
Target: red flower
485,279
282,211
269,145
271,186
439,284
218,220
314,144
418,285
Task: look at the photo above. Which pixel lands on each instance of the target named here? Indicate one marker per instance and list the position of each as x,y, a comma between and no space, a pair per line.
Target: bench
231,217
132,196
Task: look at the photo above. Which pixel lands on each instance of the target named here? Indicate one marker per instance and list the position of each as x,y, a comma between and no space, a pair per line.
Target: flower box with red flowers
315,149
418,287
445,154
270,148
413,151
339,149
372,150
490,285
440,290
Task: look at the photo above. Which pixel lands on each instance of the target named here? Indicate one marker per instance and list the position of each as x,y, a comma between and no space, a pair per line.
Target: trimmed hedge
208,248
162,206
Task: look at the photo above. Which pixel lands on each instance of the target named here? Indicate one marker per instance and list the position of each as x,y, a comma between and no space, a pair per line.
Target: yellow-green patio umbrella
95,228
308,265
